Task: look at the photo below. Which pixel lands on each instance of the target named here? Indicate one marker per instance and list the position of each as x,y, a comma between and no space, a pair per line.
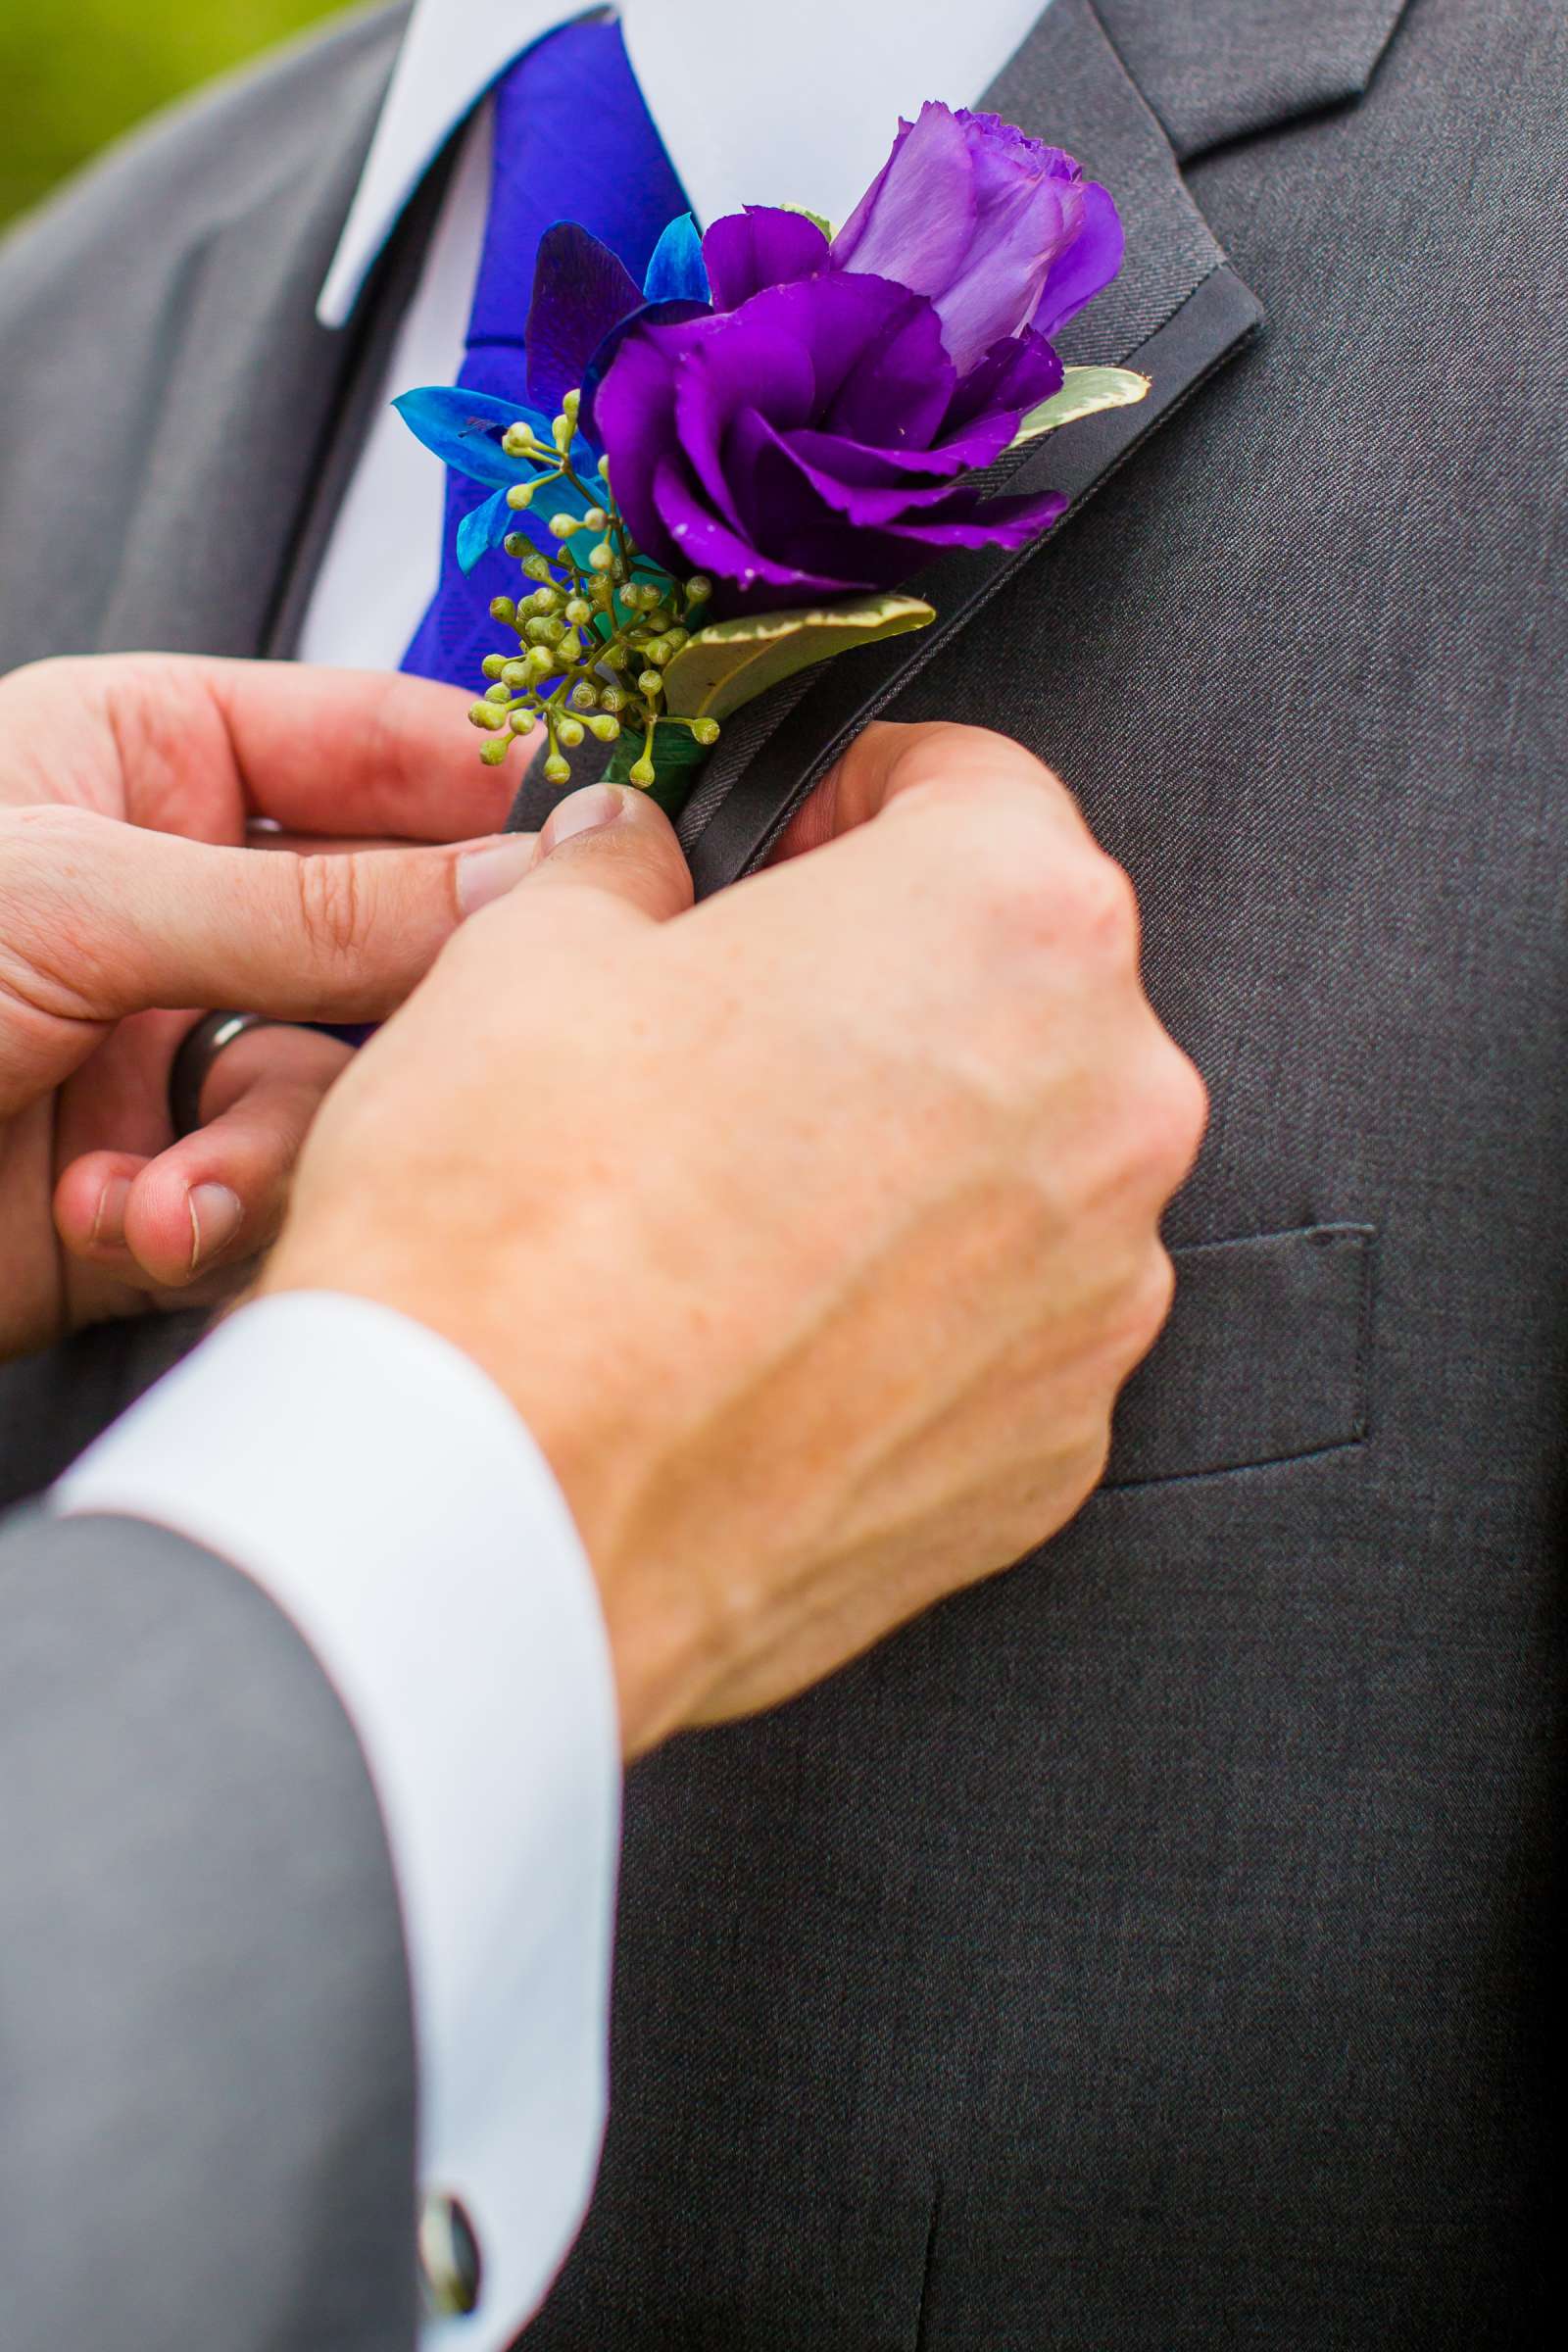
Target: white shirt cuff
387,1496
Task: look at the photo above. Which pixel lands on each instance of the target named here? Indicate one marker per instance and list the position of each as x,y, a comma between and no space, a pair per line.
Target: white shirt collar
757,101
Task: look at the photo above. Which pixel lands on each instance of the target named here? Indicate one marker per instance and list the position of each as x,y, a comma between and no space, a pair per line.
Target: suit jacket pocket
1266,1357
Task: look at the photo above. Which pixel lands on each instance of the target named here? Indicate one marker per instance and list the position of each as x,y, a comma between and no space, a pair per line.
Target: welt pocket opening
1266,1357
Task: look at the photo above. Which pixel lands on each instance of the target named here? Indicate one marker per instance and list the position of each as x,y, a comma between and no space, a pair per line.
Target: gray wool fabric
1158,1946
206,2048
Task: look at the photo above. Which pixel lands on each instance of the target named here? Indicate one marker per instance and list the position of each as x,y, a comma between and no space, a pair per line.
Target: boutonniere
734,470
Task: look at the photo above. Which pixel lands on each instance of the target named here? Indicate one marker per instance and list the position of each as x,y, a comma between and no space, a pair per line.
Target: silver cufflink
450,2270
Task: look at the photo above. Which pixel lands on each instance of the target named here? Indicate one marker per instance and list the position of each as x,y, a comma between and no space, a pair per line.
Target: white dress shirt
369,1478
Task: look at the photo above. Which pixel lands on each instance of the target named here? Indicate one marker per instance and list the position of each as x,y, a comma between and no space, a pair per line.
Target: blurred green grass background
76,74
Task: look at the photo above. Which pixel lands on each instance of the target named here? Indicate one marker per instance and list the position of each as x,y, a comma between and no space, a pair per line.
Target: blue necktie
573,141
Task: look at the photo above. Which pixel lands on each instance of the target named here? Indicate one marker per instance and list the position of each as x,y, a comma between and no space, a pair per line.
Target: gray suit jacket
1156,1946
206,2055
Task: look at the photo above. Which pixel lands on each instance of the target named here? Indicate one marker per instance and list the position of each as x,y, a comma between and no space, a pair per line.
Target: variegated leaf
1085,391
733,661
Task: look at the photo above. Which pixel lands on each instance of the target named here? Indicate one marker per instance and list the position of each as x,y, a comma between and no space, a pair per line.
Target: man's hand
129,789
813,1232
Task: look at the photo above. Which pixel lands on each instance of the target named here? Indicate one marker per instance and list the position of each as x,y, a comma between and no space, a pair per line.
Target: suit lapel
1234,66
231,461
360,387
1178,312
1198,75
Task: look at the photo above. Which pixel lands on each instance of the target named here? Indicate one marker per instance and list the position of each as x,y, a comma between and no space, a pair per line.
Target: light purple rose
1000,230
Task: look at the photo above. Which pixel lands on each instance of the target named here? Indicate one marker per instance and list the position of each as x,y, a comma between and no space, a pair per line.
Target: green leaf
735,660
678,762
826,226
1085,391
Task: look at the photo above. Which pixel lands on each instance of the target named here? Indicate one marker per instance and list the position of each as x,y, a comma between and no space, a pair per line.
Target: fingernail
587,812
487,875
109,1220
215,1219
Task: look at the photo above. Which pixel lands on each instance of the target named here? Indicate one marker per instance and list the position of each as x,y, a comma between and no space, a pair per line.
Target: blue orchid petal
483,528
464,430
677,271
650,314
580,291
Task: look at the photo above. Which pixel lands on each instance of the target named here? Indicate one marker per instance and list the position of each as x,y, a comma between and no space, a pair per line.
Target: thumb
614,841
112,919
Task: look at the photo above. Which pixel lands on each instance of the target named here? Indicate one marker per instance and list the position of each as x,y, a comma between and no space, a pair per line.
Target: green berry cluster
597,624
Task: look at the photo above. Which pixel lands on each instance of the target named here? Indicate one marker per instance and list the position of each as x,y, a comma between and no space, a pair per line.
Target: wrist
661,1651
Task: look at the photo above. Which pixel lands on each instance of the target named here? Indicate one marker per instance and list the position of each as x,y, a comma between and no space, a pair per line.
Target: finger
317,845
89,1209
117,1105
356,751
214,1198
107,921
888,759
189,745
614,840
400,756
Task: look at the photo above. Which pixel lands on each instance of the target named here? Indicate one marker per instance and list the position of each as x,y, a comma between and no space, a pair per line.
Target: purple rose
999,229
810,434
817,429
